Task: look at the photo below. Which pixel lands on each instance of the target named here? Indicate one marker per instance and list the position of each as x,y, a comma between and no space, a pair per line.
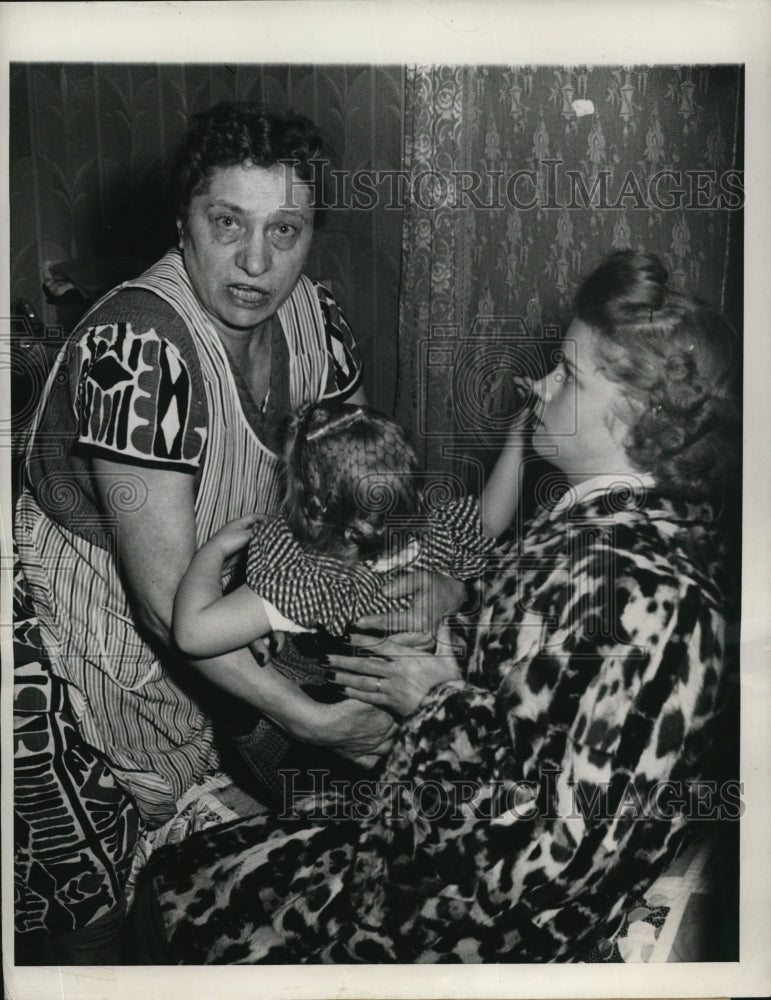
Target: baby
354,511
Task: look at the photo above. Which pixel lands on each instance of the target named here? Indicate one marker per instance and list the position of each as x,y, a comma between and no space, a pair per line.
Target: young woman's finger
414,640
362,684
374,623
375,698
366,666
397,646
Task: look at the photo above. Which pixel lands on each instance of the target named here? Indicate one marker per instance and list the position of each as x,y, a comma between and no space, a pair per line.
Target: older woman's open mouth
248,294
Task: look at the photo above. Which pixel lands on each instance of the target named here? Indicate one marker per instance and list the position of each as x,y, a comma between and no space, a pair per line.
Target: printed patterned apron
155,737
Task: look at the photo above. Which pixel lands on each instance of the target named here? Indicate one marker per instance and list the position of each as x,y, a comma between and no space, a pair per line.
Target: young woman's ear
613,423
180,234
620,417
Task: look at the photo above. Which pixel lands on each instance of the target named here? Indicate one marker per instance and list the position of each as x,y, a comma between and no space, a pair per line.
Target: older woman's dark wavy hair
349,471
240,132
679,363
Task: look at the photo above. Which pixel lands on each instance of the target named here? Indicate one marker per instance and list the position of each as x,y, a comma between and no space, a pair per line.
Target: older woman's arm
155,543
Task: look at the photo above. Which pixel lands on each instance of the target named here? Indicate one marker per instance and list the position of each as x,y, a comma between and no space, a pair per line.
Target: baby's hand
268,646
236,534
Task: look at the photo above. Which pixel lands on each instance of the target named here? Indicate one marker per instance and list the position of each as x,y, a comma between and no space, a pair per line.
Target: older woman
170,388
528,800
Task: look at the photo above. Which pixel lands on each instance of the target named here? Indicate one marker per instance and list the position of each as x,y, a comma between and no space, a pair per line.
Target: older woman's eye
284,235
226,228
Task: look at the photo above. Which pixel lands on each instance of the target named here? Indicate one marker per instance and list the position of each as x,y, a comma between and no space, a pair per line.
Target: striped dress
141,398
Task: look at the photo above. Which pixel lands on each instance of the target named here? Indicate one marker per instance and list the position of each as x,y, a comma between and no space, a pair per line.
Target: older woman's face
245,243
579,428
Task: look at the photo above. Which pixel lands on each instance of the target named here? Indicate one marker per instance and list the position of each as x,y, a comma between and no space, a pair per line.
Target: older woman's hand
361,733
395,673
434,595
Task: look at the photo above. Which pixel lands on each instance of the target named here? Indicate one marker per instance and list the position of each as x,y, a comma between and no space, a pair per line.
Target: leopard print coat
522,809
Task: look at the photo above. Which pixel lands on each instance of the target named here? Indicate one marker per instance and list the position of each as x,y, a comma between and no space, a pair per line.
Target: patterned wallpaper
519,186
86,153
494,192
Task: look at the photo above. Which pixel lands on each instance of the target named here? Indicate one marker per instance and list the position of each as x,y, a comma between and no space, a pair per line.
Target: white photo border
443,31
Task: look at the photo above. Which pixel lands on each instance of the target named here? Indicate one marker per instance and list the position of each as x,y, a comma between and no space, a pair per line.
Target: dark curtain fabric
493,195
516,191
87,148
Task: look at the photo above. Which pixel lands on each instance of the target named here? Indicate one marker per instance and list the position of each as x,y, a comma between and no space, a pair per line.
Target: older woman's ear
180,234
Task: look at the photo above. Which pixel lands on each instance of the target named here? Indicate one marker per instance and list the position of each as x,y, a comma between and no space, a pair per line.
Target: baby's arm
205,622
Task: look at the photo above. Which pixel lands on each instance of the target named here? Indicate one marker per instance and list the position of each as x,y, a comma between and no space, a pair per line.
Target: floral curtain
520,179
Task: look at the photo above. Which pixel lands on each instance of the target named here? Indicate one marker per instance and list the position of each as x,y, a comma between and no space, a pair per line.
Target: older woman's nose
254,255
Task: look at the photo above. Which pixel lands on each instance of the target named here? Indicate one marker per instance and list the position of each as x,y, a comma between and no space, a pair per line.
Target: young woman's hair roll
679,362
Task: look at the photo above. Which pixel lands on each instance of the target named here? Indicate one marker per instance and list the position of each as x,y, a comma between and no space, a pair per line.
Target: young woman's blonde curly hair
679,364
